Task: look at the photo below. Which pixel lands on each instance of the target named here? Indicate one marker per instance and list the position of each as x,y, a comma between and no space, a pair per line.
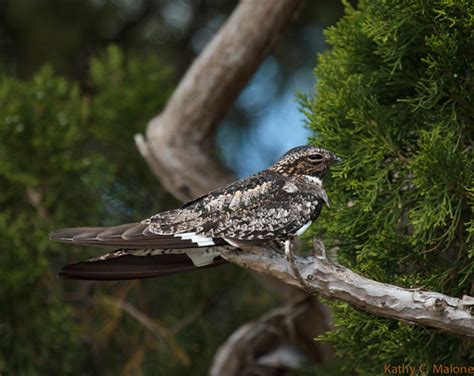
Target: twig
188,319
35,198
291,260
158,331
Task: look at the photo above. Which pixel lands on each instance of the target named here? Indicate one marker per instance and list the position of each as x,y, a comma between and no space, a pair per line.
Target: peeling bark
334,281
179,148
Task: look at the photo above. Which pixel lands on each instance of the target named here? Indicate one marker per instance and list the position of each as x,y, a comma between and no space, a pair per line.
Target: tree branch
337,282
179,143
179,149
245,351
157,330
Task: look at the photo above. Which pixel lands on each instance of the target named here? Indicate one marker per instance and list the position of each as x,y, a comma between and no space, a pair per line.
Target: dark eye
315,157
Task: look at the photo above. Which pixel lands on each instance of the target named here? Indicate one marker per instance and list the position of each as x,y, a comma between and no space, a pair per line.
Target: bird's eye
315,157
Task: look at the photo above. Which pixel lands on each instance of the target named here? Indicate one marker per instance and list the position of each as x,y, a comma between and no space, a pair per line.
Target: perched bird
278,203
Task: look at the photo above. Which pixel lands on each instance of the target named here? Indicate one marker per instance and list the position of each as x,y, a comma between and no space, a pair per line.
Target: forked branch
179,143
179,146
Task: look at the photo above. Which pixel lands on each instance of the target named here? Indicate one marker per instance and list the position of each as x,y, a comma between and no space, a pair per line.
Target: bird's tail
139,264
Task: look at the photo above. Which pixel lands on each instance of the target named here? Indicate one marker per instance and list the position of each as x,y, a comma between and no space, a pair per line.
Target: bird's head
305,161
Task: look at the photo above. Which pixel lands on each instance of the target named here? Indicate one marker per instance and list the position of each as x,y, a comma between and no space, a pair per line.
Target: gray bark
334,281
179,147
179,143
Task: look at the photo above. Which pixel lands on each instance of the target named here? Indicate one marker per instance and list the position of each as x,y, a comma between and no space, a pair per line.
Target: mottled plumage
278,203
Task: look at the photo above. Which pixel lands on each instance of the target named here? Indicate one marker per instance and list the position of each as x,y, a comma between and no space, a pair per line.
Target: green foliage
395,101
67,158
43,132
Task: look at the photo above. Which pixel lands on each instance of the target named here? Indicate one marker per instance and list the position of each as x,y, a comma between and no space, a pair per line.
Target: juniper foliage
54,172
67,158
394,98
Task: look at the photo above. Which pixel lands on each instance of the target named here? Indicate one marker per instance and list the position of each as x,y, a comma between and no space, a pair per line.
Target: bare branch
246,351
290,257
337,282
157,330
179,143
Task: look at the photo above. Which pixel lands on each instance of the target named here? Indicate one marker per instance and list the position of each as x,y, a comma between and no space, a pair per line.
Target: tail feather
140,254
128,266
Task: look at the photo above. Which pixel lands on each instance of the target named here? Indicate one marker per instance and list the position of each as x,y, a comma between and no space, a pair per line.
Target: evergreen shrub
394,98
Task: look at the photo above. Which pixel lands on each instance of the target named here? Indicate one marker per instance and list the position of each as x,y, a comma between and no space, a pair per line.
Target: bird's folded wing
134,235
260,207
277,216
257,208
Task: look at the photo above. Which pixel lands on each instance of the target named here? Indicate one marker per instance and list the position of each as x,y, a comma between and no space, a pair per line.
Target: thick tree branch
337,282
179,149
179,143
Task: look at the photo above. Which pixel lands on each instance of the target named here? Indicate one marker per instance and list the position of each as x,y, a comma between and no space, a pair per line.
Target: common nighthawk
278,203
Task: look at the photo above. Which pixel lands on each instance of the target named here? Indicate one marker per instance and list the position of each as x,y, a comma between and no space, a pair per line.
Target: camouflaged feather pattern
264,206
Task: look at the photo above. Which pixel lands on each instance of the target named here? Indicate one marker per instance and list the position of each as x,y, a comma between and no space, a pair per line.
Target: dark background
86,171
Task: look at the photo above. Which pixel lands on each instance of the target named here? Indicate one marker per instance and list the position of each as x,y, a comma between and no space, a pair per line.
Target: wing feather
131,236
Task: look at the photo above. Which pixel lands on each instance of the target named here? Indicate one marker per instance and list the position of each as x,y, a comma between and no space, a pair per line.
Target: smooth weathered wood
334,281
179,142
179,147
